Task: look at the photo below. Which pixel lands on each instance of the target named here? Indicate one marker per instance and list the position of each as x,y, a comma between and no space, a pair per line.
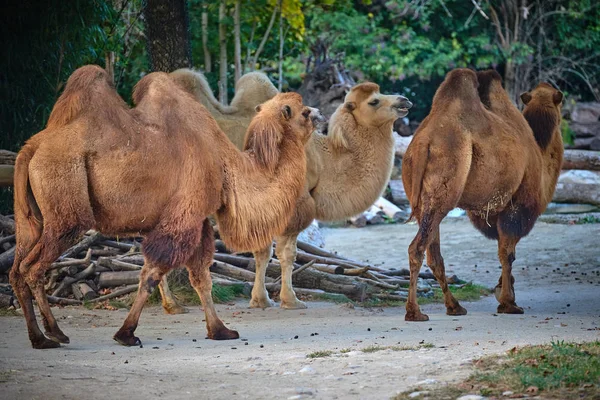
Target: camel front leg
506,254
169,303
199,268
149,278
286,253
260,296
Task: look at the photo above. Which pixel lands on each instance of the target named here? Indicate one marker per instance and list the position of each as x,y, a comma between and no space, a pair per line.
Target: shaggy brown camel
477,152
159,171
346,172
251,89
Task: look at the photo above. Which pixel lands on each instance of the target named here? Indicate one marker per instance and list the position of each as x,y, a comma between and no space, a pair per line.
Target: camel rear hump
458,89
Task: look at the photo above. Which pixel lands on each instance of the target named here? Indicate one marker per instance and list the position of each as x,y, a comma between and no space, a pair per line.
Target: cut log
7,157
332,283
330,269
359,220
83,291
391,210
84,244
63,302
73,261
112,279
373,217
7,225
68,281
7,301
121,245
235,272
116,293
118,265
581,159
309,248
398,193
6,260
577,193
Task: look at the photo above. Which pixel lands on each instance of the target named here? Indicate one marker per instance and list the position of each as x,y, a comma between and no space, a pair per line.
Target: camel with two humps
476,151
158,171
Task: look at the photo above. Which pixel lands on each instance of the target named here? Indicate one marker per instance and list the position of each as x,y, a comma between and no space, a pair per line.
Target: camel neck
257,202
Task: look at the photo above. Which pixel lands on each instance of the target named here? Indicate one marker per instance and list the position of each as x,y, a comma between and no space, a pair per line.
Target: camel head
283,118
371,108
252,89
543,112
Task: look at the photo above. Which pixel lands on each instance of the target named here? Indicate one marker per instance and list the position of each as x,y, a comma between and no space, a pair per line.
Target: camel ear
263,138
525,97
350,106
257,108
557,97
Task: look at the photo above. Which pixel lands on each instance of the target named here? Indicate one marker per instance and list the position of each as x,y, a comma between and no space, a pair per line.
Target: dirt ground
557,281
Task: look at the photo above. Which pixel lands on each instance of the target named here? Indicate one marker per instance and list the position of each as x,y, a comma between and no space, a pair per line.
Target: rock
586,112
562,208
507,393
312,235
402,144
307,370
418,394
457,212
580,176
402,127
471,397
428,381
585,130
398,193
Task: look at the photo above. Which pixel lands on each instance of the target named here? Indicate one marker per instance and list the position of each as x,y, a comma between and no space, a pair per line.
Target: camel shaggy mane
476,151
158,171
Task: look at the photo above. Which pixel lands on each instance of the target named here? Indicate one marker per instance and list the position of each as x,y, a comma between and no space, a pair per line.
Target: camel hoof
262,303
127,339
293,305
174,309
510,309
456,310
58,337
224,334
44,343
416,316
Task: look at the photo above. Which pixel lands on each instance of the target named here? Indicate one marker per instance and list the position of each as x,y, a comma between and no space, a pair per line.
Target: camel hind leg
198,266
169,304
436,263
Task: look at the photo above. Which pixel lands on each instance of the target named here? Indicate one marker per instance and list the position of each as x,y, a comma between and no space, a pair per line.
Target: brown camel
251,89
158,171
346,172
477,152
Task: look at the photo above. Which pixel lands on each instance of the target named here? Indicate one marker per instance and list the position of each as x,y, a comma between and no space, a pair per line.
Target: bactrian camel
347,170
158,170
476,151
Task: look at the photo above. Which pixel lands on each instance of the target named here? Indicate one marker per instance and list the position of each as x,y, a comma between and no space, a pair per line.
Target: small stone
568,305
246,343
307,370
471,397
417,394
430,329
156,347
369,329
261,346
428,381
194,340
126,362
296,337
507,393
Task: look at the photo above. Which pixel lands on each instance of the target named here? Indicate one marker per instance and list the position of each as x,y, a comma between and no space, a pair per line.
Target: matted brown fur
476,151
158,170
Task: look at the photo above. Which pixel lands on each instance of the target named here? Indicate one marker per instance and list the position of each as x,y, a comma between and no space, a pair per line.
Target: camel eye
374,102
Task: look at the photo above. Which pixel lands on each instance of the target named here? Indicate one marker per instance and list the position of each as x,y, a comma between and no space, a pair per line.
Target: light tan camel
346,172
251,89
159,171
477,152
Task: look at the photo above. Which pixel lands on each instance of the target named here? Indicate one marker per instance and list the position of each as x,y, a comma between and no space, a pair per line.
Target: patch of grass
319,354
6,374
589,219
223,294
558,370
346,350
186,295
373,349
331,297
468,292
118,303
8,312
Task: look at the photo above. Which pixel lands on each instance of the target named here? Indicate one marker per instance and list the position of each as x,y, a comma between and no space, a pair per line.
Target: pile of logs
100,268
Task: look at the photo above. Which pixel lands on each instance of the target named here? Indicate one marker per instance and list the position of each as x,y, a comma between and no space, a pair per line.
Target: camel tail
418,164
28,218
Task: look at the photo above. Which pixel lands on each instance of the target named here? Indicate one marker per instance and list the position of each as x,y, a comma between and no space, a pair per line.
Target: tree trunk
254,60
207,57
167,34
237,55
280,84
223,55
